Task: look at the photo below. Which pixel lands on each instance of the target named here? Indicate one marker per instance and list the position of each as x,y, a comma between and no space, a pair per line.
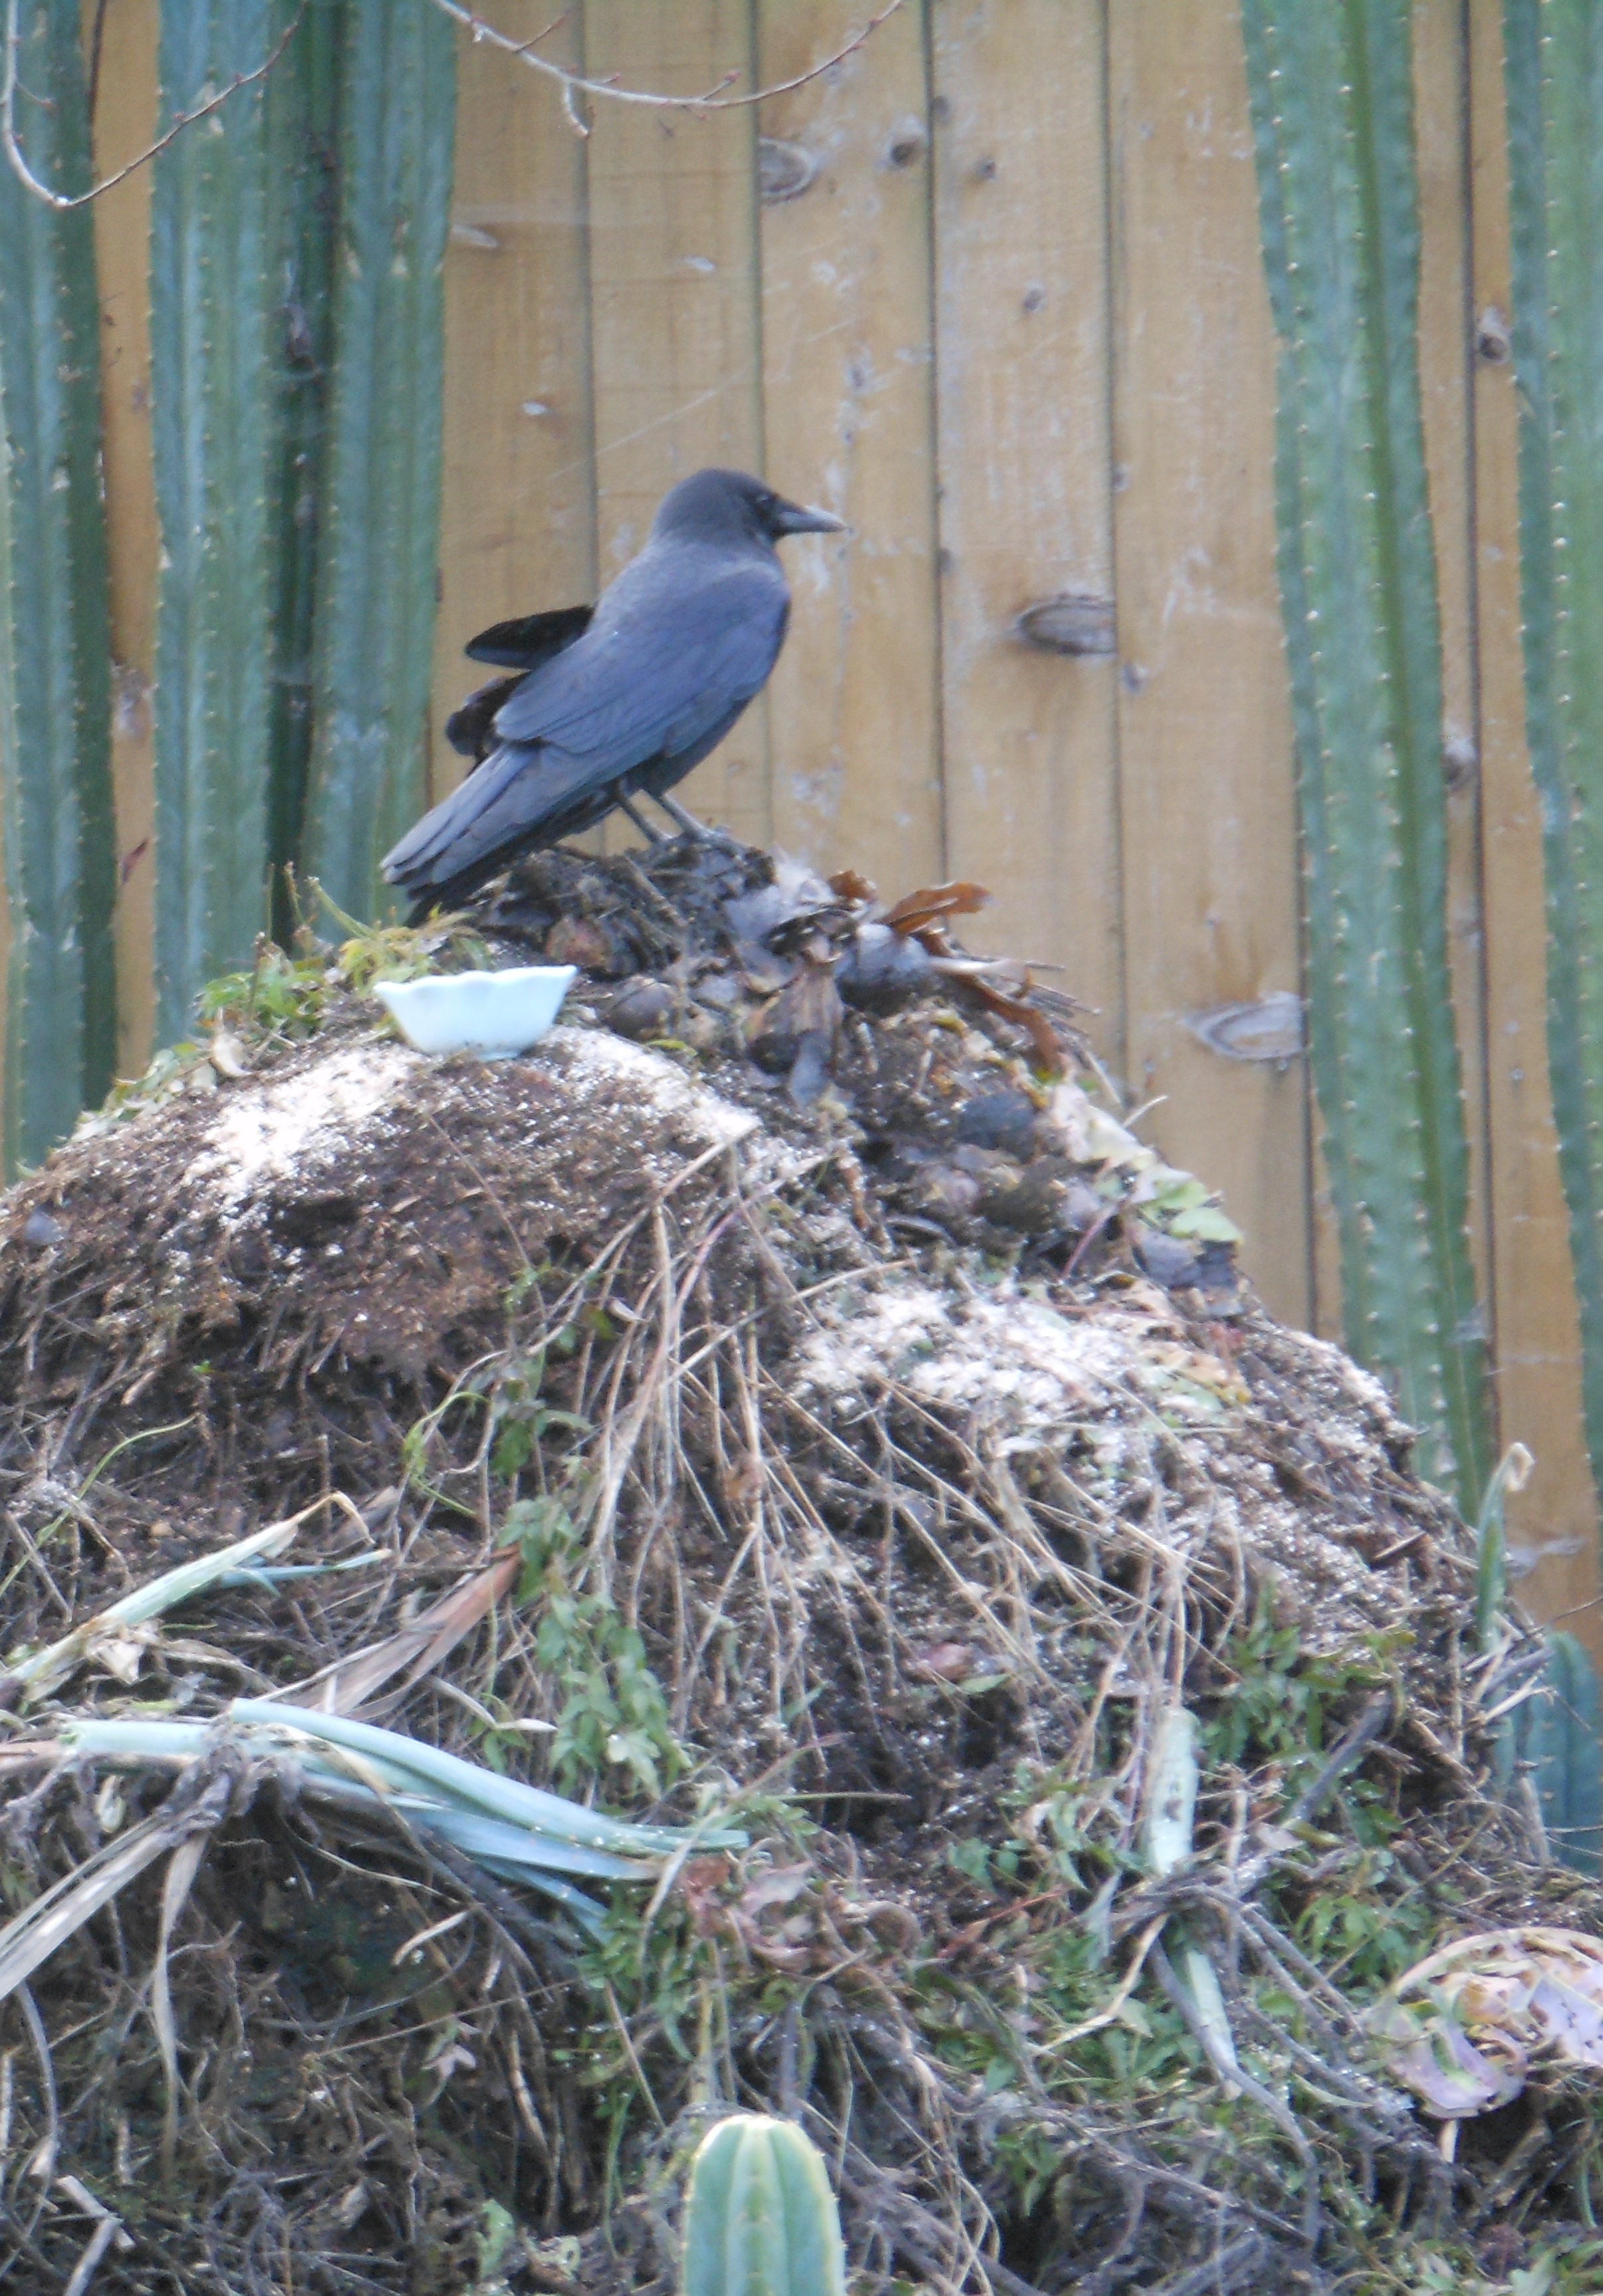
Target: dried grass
918,1547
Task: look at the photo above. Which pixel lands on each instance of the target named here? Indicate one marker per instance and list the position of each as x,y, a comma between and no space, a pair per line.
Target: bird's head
731,507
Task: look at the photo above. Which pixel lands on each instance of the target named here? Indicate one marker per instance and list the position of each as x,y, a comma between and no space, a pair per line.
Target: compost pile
788,1404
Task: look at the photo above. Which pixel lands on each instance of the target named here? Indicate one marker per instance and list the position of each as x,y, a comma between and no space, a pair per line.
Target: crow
618,700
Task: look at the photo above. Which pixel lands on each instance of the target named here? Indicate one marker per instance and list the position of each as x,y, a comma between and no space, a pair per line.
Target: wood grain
1026,480
518,496
1208,862
674,306
1553,1524
849,416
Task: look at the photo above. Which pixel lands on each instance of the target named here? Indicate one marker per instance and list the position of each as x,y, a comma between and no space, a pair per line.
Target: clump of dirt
891,1447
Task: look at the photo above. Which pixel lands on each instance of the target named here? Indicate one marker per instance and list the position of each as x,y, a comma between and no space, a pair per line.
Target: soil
907,1443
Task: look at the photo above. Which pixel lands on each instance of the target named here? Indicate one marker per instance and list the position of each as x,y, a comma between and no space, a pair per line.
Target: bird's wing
655,679
530,639
469,727
508,795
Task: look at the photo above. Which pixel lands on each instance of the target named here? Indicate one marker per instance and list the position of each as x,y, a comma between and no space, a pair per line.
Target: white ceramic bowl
492,1013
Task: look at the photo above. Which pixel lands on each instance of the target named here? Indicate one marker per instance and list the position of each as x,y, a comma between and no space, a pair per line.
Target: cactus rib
1331,98
56,775
376,582
761,2219
1559,1732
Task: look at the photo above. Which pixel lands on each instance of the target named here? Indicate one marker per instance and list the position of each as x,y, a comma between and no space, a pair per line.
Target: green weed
614,1714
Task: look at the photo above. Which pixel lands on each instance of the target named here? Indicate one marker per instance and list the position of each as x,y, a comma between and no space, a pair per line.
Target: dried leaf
779,1888
107,1630
349,1683
182,1867
932,902
852,885
1492,2002
36,1933
1437,2059
1048,1052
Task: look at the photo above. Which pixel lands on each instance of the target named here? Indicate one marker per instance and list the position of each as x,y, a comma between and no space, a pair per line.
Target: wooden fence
1013,327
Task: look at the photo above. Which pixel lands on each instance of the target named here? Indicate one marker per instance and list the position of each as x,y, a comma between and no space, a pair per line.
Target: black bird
618,699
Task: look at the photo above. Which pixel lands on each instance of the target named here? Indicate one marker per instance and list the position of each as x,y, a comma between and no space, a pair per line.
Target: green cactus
214,291
1560,1735
1554,77
761,2219
1331,100
303,145
56,773
377,562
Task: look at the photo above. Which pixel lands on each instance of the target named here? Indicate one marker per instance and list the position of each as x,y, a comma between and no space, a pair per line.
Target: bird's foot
691,827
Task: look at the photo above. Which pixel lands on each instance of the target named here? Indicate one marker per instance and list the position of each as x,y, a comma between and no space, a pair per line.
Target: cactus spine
213,290
55,776
761,2219
1332,112
375,601
1553,56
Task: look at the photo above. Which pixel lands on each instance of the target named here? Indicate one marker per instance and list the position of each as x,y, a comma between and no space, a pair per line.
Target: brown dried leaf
1048,1051
349,1683
932,902
1493,2001
852,885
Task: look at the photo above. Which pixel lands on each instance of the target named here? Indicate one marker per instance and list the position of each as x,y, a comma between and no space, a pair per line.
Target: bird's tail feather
504,801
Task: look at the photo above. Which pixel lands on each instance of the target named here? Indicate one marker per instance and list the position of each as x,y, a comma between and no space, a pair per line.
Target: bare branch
58,201
574,84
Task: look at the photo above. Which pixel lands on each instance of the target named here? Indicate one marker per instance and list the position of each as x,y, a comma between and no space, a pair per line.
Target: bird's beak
797,518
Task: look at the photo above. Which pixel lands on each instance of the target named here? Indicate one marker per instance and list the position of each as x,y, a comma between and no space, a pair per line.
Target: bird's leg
688,822
652,836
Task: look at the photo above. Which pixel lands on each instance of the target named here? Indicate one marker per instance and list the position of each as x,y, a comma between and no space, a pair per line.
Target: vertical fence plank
848,411
1022,360
1206,775
517,517
673,303
1553,1523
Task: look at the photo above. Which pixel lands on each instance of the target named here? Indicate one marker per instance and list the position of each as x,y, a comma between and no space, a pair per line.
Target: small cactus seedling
761,2219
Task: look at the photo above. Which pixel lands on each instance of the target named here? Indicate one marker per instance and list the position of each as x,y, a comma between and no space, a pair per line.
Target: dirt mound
872,1445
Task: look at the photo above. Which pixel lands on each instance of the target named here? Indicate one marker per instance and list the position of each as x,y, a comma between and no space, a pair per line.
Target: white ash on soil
918,1517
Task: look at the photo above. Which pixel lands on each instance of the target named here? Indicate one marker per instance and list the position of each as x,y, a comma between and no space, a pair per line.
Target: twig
1126,1987
58,201
108,2228
1231,2069
1368,1726
574,84
43,2164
